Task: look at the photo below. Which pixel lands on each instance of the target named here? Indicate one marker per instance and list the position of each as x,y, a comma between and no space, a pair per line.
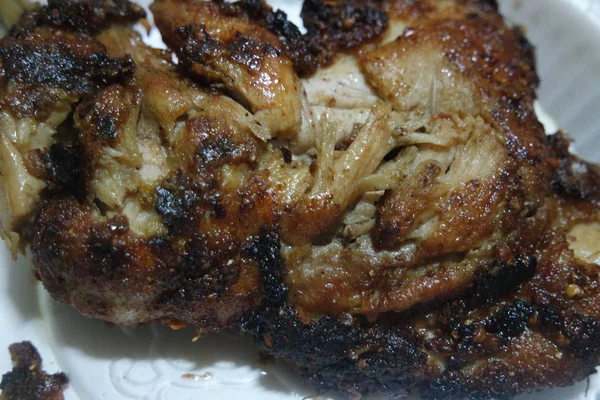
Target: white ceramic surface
566,34
155,363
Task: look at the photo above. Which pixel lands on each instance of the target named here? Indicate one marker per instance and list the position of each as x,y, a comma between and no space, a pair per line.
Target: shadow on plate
21,284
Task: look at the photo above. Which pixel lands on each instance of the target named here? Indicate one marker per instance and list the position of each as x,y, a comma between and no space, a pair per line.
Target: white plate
155,363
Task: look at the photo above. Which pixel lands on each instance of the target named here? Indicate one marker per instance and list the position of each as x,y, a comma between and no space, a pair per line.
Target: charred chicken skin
373,200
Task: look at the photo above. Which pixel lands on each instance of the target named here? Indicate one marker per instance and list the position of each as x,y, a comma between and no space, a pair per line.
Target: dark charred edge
355,357
27,380
338,28
56,64
175,207
277,23
79,15
331,28
511,321
64,165
581,332
502,278
386,365
456,388
580,336
282,332
278,326
336,355
266,249
573,178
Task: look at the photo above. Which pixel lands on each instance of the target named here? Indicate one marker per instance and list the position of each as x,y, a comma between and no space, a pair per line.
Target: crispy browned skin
27,380
396,221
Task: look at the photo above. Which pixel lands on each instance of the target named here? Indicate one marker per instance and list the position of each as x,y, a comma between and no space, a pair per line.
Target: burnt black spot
197,273
173,207
503,278
215,151
277,23
511,321
331,27
584,335
582,332
550,318
249,53
79,15
108,258
63,163
56,64
456,362
203,56
218,209
106,128
266,249
347,23
465,333
169,207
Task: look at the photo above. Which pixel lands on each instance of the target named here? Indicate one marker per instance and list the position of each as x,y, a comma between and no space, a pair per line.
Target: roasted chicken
373,200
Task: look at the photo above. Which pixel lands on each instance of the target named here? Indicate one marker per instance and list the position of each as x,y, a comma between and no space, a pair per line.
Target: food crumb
27,380
573,291
206,376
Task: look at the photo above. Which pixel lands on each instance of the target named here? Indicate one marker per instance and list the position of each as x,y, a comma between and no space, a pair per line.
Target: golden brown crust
122,279
235,55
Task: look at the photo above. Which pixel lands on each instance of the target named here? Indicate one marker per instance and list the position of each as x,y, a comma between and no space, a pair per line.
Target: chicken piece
441,284
27,380
43,73
154,188
248,61
384,210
